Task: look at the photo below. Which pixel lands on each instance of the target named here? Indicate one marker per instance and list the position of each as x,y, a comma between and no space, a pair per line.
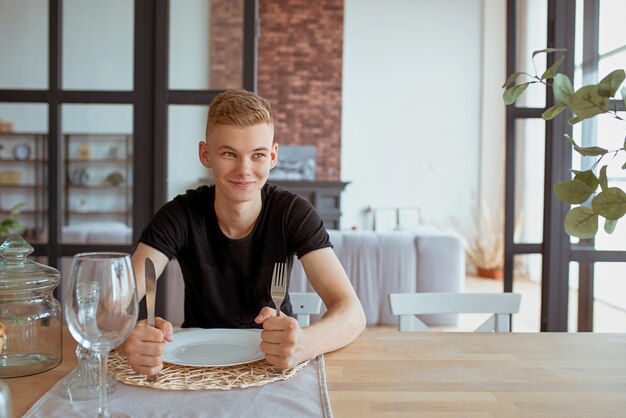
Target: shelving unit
89,160
23,179
23,175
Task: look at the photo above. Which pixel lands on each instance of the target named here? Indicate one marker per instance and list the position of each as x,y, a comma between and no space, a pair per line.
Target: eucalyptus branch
586,102
614,152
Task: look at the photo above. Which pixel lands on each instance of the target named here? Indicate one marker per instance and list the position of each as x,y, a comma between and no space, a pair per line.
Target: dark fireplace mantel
325,196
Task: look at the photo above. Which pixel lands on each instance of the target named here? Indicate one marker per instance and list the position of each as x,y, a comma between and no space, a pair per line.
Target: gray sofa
422,259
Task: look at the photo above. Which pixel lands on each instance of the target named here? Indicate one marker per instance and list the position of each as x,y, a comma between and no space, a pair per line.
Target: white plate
214,347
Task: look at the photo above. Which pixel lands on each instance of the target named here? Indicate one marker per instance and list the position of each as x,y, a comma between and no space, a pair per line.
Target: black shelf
22,185
99,160
30,160
120,187
24,211
96,212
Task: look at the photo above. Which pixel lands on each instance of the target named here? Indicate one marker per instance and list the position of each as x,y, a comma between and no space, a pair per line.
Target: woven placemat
175,377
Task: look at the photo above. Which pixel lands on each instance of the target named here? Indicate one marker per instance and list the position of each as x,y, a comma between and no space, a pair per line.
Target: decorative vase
491,273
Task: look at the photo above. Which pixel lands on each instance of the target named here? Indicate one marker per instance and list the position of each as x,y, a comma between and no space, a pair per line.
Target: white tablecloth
304,395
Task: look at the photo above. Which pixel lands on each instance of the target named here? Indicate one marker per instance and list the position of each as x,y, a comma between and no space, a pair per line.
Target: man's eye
228,154
259,155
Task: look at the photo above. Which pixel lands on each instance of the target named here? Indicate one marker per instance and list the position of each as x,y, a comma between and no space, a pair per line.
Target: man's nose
244,166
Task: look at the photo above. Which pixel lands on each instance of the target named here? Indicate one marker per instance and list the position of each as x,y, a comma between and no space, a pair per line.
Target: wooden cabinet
325,196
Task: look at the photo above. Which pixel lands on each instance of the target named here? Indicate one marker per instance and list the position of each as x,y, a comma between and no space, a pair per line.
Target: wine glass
83,383
101,308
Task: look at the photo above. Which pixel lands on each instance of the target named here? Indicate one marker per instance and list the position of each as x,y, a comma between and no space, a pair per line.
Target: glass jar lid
17,272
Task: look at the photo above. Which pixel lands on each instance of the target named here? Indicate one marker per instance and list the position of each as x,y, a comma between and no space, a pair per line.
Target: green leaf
548,50
551,72
552,112
571,140
574,120
573,191
15,210
610,203
623,91
609,225
562,89
624,166
512,78
608,86
587,151
512,93
592,151
588,177
586,102
604,181
581,222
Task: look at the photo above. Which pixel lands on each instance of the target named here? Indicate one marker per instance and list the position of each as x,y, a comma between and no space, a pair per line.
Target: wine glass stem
103,410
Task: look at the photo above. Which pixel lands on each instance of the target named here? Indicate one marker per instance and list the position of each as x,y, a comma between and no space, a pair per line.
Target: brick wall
300,63
226,44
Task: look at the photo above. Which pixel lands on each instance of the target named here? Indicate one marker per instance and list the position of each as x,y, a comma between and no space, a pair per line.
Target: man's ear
274,155
203,154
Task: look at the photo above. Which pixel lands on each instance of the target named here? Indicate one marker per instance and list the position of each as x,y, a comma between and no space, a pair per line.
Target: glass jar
29,313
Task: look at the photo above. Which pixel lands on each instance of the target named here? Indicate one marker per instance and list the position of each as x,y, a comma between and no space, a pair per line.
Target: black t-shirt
227,281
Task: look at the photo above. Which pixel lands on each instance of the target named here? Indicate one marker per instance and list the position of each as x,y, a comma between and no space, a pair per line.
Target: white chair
305,304
501,305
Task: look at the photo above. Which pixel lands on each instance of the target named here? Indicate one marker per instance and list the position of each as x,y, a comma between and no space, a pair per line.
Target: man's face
241,159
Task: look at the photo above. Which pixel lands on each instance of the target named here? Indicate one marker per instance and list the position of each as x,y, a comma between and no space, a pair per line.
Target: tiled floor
606,317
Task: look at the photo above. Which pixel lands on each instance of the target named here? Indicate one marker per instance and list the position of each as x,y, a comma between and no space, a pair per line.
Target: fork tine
282,274
274,274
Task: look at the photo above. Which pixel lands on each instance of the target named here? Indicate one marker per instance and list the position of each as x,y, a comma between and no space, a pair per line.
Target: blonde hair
240,108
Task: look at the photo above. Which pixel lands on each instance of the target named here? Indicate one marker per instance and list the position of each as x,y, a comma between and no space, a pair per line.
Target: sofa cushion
379,263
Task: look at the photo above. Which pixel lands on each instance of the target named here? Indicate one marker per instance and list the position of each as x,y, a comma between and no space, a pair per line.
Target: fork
279,285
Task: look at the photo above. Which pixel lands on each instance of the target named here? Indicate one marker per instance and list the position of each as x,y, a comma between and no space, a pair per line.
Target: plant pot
491,273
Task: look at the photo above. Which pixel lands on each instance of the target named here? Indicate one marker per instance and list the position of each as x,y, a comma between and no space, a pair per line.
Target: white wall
412,101
492,118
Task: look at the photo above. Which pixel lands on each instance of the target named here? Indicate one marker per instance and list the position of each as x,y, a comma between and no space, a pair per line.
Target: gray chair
305,304
407,305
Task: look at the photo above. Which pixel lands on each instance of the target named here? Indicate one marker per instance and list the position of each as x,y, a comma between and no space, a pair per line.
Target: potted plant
485,249
587,102
9,224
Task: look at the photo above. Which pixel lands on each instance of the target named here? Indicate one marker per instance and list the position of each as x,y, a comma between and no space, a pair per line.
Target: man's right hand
145,345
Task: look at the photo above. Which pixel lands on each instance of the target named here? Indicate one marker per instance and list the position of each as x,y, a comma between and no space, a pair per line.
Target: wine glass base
77,387
114,415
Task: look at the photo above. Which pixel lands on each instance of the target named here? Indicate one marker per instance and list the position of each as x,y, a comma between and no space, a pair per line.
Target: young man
227,238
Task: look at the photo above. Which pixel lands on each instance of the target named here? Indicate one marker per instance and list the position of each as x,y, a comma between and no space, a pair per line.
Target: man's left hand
283,341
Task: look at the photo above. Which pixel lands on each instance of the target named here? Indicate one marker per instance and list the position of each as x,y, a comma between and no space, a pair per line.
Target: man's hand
145,345
283,341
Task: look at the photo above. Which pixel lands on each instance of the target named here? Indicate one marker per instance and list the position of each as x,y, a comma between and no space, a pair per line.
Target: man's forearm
342,323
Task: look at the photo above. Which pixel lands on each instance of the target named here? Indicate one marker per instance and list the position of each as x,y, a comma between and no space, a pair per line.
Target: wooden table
387,373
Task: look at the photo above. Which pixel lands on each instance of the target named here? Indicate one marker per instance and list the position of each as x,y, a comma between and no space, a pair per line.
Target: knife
150,279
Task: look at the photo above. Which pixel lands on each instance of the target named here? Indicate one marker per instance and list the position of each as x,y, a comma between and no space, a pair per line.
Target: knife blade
150,282
150,278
